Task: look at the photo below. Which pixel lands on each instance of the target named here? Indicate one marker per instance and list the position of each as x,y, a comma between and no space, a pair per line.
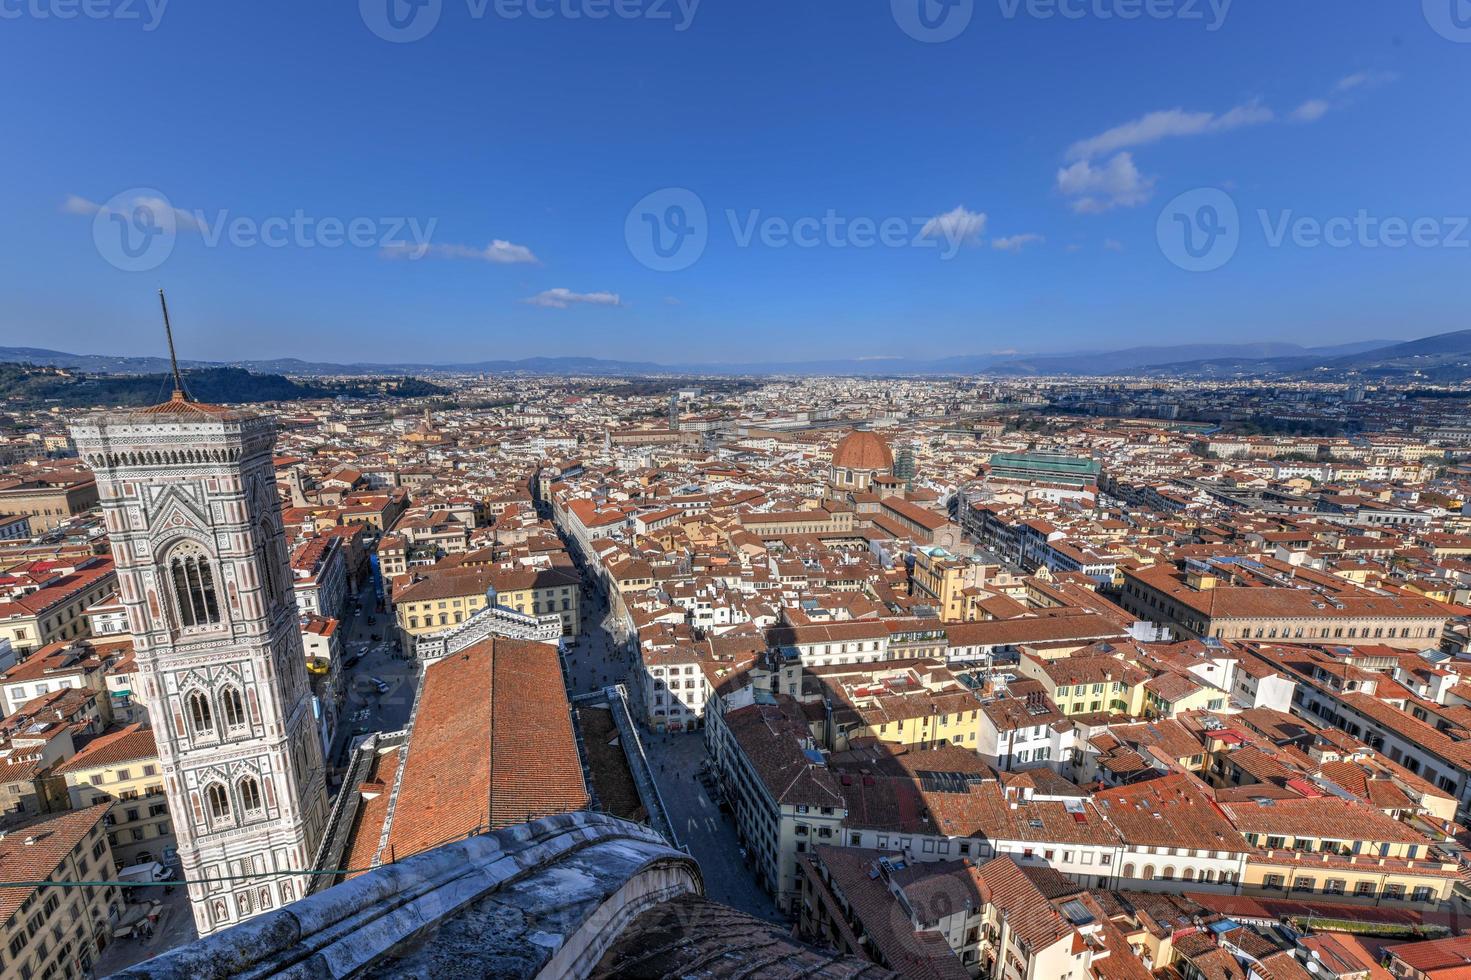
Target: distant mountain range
1445,357
1135,359
107,364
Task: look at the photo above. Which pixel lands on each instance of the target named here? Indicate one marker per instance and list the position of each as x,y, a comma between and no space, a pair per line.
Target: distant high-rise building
189,496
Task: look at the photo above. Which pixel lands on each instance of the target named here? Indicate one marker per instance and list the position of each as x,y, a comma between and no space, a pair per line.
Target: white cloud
79,205
1312,110
498,252
1155,126
75,204
1095,189
1364,79
1113,245
957,227
561,299
184,219
1015,243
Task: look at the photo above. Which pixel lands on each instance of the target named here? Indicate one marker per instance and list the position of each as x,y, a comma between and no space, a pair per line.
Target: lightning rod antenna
180,394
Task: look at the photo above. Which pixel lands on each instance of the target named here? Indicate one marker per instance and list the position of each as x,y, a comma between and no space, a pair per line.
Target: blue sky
1026,170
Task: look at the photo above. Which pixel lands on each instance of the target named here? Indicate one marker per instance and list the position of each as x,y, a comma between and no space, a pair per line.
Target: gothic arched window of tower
263,557
192,582
250,797
219,802
234,708
200,715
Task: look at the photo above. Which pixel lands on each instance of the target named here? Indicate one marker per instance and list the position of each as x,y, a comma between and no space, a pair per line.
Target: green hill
28,386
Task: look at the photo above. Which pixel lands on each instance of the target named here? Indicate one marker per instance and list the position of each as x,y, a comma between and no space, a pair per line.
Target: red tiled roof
182,405
109,748
491,746
860,450
52,839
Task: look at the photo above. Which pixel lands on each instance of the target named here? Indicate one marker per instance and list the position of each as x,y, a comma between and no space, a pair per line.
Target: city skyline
602,489
556,363
815,182
816,659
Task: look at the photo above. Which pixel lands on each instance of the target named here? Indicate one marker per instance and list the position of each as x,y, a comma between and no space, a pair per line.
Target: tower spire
180,394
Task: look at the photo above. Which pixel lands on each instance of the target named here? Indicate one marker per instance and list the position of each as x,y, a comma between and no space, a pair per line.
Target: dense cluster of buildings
993,680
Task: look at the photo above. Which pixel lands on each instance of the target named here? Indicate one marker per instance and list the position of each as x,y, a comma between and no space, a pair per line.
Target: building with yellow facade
121,768
950,582
1340,849
831,518
49,930
1089,684
441,600
51,500
919,705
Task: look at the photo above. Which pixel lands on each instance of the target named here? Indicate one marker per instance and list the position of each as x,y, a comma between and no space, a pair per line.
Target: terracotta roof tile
491,746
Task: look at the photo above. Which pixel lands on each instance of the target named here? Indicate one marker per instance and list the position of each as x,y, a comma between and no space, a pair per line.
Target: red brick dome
863,451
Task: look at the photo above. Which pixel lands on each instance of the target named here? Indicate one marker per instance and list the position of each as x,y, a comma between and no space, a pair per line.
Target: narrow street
175,928
366,660
594,662
708,833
